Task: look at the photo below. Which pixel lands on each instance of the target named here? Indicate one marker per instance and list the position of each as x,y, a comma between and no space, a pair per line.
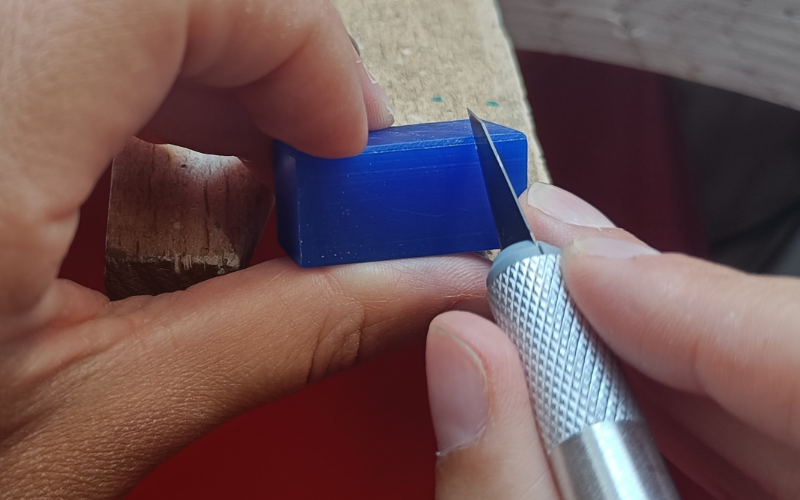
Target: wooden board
747,46
437,58
434,58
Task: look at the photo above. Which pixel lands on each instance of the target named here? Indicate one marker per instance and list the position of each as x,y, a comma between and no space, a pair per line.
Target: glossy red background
365,434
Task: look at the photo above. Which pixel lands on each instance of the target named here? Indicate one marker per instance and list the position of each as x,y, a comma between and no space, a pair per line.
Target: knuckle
339,332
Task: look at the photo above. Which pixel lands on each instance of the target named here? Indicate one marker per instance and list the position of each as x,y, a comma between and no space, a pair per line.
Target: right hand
713,355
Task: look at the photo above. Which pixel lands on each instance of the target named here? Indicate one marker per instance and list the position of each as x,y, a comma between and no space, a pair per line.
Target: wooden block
751,47
177,217
416,190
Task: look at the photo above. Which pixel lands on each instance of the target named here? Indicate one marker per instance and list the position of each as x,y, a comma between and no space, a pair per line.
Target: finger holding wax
95,394
89,75
690,329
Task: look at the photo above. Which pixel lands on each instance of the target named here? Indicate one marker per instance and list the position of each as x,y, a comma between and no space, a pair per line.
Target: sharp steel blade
512,227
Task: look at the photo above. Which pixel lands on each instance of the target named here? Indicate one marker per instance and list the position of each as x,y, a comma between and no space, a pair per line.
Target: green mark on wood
437,98
492,104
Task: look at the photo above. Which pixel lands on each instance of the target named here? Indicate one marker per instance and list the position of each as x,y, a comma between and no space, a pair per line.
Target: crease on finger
337,336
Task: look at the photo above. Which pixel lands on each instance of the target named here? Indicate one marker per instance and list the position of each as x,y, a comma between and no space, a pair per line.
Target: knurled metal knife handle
597,441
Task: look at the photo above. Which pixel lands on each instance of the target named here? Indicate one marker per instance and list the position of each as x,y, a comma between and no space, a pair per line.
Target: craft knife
595,437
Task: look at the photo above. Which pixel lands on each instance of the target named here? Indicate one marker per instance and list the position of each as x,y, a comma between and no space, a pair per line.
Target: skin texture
94,394
713,356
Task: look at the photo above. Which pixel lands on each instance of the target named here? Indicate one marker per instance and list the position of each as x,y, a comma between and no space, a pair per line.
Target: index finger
689,324
79,77
148,375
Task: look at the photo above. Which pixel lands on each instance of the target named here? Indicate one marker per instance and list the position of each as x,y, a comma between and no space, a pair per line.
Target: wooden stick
177,217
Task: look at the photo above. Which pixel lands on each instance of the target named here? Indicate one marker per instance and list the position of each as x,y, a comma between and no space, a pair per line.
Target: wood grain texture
437,58
177,217
171,227
747,46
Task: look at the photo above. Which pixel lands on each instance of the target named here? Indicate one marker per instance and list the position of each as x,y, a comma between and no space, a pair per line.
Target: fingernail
379,110
456,391
356,46
565,206
380,114
609,247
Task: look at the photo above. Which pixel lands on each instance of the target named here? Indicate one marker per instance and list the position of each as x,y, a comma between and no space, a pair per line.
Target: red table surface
367,433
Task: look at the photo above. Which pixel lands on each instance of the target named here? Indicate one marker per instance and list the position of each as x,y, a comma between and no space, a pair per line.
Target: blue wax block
415,190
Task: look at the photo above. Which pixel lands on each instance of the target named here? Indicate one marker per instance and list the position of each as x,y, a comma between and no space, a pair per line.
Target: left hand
94,395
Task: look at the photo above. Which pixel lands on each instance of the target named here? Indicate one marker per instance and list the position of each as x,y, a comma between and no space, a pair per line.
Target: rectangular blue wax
416,190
